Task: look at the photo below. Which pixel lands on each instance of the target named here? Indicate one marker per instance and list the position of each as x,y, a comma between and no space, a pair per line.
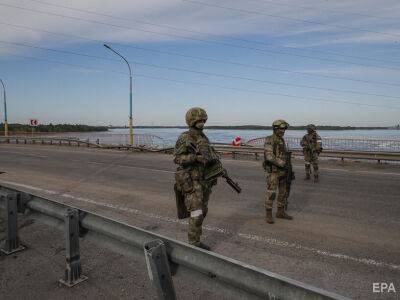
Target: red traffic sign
33,122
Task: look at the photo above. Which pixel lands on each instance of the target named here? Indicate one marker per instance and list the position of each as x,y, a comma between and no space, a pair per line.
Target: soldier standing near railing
278,168
312,147
193,153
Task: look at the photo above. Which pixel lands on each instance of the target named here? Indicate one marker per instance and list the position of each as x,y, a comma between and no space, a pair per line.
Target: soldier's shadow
219,230
225,216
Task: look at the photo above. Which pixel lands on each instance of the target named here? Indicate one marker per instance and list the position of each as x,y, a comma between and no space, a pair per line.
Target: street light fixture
130,93
5,109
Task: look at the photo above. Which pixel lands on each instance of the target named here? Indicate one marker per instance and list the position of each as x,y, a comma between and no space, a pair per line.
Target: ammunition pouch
307,150
183,181
209,155
270,167
267,166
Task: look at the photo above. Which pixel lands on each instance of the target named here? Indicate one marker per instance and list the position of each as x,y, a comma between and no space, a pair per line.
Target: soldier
276,165
193,153
312,147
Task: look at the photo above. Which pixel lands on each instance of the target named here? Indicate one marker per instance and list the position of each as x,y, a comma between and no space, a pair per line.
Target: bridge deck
345,235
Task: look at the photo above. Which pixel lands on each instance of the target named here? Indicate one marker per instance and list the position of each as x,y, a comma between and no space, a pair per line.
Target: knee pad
196,213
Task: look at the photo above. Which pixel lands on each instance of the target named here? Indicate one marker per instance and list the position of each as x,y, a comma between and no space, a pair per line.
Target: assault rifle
214,169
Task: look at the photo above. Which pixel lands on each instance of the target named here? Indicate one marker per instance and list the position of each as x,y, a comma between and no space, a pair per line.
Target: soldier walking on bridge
277,164
312,147
193,153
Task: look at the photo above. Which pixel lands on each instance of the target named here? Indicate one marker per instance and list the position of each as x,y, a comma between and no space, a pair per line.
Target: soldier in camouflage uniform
312,147
275,164
193,153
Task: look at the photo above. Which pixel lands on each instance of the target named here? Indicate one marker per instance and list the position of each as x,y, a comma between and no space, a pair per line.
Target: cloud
194,19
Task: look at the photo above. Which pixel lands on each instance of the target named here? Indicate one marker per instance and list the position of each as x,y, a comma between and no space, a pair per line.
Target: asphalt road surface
345,235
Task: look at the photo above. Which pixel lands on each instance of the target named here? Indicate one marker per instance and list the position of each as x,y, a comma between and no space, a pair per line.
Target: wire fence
370,145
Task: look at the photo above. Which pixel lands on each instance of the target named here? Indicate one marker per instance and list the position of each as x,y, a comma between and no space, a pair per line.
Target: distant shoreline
63,128
53,128
257,127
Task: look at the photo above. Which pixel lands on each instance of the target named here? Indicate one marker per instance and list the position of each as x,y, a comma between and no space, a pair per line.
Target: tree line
260,127
54,128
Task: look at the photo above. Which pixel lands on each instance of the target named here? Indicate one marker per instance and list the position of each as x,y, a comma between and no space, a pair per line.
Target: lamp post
5,109
130,93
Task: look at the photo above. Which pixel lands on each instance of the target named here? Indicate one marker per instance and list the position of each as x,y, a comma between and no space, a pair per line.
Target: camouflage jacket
193,152
311,143
275,155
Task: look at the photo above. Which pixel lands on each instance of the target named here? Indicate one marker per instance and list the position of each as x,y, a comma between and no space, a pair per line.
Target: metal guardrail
48,141
119,141
149,141
340,144
222,148
258,153
222,275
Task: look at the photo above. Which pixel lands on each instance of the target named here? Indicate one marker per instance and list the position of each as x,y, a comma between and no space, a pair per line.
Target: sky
245,62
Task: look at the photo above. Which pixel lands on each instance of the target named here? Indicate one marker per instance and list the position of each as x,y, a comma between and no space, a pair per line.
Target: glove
281,164
200,158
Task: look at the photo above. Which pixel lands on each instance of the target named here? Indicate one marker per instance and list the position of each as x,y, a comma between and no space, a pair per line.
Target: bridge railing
157,144
146,141
67,141
139,140
344,144
222,275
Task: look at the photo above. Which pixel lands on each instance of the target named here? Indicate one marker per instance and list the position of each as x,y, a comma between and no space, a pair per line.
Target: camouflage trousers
311,159
276,188
196,203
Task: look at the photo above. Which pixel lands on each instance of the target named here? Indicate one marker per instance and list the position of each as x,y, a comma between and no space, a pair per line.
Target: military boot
269,219
282,214
316,178
308,172
204,246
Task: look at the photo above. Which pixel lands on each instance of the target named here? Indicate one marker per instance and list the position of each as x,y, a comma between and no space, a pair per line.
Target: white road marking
24,154
296,167
301,167
362,172
230,160
94,163
147,169
131,167
270,241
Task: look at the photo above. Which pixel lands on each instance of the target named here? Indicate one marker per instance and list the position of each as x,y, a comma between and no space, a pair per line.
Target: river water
363,140
226,136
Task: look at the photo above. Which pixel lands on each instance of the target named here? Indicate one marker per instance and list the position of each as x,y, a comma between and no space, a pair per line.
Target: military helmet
311,127
280,124
194,115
